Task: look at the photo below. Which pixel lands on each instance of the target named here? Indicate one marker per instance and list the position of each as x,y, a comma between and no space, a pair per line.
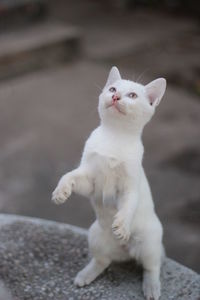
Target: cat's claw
120,228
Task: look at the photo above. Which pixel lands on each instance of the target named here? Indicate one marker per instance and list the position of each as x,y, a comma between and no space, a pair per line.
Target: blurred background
54,60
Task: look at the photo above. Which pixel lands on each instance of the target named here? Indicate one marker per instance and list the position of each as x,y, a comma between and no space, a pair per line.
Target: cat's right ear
113,76
155,91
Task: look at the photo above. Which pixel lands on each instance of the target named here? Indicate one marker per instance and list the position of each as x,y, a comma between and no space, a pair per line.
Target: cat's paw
83,278
60,194
121,228
151,289
62,191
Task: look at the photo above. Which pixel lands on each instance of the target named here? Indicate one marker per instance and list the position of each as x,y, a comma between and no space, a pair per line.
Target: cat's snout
116,97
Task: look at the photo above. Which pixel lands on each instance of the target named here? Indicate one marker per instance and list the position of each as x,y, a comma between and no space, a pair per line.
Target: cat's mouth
115,106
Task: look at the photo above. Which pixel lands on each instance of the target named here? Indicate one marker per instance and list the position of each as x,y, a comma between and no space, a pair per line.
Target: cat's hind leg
91,271
151,256
100,261
151,283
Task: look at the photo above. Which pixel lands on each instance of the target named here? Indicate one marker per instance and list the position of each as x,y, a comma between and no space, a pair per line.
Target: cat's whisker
98,86
133,77
141,75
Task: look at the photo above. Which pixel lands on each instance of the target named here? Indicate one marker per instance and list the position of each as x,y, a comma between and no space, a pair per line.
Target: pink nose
116,97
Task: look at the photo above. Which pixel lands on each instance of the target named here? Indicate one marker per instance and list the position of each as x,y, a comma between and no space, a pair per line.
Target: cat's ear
113,76
155,90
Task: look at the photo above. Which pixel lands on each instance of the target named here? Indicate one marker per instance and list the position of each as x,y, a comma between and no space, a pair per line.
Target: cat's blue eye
132,95
112,89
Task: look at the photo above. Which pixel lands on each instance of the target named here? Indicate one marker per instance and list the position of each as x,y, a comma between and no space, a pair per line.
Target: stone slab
39,260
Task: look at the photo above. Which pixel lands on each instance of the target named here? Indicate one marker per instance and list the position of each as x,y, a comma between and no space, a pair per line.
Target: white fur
112,176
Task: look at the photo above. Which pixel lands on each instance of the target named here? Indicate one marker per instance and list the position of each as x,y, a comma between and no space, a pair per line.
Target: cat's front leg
63,189
127,202
78,181
121,226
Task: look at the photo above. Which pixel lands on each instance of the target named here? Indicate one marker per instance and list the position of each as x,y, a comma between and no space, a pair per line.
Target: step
36,47
39,260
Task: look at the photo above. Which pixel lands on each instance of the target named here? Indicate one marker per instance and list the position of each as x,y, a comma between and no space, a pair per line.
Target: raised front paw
120,228
62,191
60,194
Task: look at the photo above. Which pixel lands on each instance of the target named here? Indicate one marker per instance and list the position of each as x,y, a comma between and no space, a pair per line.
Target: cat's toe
82,279
58,200
120,230
59,196
121,234
151,290
79,281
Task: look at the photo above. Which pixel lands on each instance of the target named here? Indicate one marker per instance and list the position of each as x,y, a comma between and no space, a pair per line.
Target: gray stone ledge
39,260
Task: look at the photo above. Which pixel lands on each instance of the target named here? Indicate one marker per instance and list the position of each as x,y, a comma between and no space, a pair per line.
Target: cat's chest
104,163
105,166
109,174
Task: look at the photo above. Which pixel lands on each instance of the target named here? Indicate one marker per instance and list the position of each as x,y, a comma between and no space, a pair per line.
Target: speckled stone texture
39,260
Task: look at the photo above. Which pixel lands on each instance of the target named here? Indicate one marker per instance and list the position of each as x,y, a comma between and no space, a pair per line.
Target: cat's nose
116,97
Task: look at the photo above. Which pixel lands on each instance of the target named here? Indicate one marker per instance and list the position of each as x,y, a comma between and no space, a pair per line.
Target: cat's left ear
155,90
113,76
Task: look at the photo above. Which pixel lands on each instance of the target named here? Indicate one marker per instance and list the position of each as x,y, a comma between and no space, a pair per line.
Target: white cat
112,176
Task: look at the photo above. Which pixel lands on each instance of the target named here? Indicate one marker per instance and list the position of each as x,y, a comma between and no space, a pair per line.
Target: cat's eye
132,95
112,89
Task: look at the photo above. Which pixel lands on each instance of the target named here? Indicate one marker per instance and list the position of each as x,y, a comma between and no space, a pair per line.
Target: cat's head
127,102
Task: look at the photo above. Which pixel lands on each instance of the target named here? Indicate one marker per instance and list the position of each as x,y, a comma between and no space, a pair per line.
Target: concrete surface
39,260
